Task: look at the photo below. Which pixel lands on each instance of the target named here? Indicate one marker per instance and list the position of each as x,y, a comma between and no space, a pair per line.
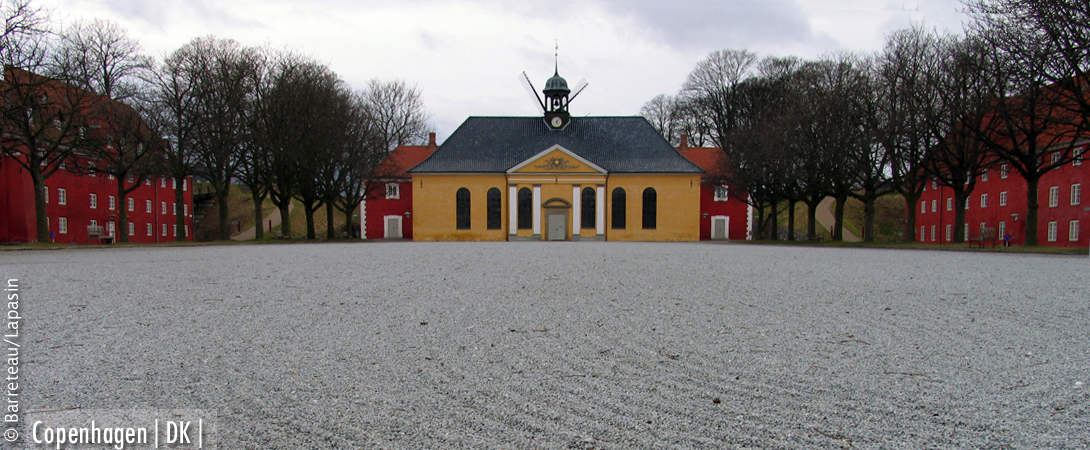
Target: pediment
556,159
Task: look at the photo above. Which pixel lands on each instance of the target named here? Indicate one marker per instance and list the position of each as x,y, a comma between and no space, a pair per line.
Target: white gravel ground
567,345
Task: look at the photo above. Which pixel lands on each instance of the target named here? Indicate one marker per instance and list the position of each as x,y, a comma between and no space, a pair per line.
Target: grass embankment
299,222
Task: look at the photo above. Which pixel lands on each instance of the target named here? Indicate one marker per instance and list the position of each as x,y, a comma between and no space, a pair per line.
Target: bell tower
556,101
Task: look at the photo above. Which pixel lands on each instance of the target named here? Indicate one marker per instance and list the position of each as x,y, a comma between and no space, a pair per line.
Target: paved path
251,232
826,218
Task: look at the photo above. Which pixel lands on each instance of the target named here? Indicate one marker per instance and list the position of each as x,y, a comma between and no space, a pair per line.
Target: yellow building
554,178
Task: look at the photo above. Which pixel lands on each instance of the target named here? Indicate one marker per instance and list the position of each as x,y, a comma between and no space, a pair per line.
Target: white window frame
923,235
132,204
1076,194
47,195
62,225
966,230
1003,198
950,204
984,175
1073,231
175,230
185,185
393,191
923,207
163,209
1002,230
934,184
62,196
968,198
949,232
162,182
1055,157
934,205
173,183
1053,196
164,230
1052,231
173,209
151,231
934,235
132,229
1004,171
112,201
147,206
94,201
721,193
983,200
93,223
1079,155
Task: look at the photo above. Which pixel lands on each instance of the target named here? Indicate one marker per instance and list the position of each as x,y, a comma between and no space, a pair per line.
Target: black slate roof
616,144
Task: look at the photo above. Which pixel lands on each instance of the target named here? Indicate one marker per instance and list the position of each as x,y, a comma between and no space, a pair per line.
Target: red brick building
75,202
998,201
721,215
387,209
82,206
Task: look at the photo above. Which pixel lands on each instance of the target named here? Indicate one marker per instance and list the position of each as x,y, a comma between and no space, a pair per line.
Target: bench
985,234
98,233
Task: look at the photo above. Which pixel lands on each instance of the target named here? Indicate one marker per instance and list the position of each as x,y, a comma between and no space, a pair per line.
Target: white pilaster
576,210
537,210
600,206
513,209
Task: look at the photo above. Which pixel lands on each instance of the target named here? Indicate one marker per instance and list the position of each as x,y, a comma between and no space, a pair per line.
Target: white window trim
393,191
62,225
94,201
983,200
1003,198
1076,194
721,189
62,196
1052,231
1073,231
1053,196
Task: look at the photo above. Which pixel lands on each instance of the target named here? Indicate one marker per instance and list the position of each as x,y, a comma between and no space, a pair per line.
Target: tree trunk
42,221
838,217
259,217
774,222
811,217
122,211
1032,190
179,208
348,222
868,216
912,202
959,216
758,220
308,210
330,228
285,219
791,220
225,223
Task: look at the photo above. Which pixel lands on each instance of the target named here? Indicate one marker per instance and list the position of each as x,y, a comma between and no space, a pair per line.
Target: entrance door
393,227
720,224
558,227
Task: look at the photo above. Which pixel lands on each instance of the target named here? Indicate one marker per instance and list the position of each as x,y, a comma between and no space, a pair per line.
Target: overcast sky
466,55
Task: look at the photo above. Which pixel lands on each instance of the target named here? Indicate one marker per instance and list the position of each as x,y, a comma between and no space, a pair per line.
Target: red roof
711,159
403,158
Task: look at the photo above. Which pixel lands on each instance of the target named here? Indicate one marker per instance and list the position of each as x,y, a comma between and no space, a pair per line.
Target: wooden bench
985,234
98,233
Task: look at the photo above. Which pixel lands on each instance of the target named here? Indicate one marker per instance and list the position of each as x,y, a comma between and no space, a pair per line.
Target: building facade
387,208
999,199
75,203
73,130
723,216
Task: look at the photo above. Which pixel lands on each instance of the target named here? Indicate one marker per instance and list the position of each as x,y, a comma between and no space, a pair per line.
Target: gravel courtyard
567,345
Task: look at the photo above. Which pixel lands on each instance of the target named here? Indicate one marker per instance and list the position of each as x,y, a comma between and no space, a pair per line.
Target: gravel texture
568,345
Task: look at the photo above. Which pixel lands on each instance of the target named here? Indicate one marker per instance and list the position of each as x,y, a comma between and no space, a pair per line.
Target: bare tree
101,57
224,78
905,110
711,91
24,39
663,114
398,110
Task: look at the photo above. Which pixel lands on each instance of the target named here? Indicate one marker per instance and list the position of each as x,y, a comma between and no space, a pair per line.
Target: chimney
684,142
431,142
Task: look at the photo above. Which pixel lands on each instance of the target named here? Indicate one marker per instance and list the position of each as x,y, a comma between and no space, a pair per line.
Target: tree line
1010,91
82,97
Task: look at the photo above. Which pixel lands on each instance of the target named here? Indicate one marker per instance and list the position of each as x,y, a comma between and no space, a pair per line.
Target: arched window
650,208
494,209
526,209
590,208
462,205
619,209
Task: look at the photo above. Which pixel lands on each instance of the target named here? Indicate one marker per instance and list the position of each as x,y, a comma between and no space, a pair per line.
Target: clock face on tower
556,122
